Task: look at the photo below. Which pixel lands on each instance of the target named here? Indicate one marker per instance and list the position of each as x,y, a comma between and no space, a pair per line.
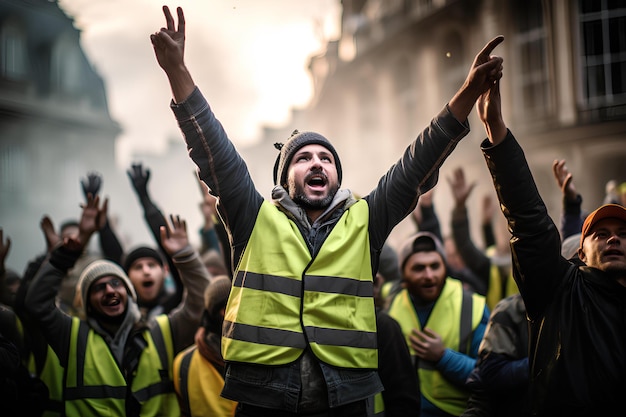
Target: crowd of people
299,305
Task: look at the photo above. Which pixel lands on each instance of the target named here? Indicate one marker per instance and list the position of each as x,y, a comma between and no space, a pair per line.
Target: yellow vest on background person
198,386
291,298
501,285
50,372
446,319
95,385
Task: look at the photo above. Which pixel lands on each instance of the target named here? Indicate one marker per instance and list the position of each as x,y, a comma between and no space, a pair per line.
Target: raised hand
486,69
169,49
489,108
484,72
91,184
461,190
139,178
169,42
488,209
564,179
51,236
92,219
174,237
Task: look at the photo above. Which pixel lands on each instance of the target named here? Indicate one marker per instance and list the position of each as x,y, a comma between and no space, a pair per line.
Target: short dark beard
299,197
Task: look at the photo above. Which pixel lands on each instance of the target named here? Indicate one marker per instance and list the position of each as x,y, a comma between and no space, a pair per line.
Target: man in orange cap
577,313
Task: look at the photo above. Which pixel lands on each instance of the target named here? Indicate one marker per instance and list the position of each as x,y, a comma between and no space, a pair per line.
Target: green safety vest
455,316
95,384
283,299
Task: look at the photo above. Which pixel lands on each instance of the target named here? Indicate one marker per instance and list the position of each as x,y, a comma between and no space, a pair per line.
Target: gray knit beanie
296,141
216,293
421,242
98,269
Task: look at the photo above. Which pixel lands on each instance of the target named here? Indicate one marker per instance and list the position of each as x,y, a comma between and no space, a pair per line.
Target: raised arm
169,48
139,178
41,294
185,319
535,240
484,72
475,259
109,242
571,217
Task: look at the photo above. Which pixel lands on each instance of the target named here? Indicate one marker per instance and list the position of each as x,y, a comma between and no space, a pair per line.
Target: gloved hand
139,178
91,184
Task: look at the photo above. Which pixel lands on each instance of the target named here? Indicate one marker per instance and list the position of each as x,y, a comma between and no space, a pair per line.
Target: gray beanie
296,141
388,263
570,245
98,269
421,242
216,293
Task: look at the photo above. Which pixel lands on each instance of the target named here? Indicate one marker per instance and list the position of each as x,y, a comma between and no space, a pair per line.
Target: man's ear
581,254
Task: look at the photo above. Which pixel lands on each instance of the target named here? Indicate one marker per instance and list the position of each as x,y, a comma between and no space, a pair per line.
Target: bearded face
312,178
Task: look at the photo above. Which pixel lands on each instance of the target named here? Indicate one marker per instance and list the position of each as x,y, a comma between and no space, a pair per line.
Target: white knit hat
98,269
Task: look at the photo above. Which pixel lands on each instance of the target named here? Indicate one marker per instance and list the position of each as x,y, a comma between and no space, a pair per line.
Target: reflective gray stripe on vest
263,335
81,351
163,387
270,283
336,337
465,330
293,287
95,391
336,285
159,343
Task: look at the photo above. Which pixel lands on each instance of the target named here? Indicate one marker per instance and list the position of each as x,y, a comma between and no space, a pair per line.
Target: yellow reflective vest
283,299
198,386
501,285
455,316
95,384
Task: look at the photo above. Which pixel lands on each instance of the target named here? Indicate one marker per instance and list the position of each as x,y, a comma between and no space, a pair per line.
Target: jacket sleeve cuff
63,258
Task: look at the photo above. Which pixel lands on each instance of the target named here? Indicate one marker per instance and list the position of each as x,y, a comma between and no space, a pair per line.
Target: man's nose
613,238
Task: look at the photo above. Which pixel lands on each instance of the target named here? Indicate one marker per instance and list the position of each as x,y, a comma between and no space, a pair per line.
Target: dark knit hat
141,252
296,141
388,263
216,293
421,242
98,269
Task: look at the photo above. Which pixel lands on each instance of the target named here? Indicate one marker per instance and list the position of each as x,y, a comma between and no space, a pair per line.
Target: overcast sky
248,57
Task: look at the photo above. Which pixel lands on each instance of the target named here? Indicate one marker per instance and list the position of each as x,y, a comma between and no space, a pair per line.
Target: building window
603,44
66,74
13,49
531,42
13,169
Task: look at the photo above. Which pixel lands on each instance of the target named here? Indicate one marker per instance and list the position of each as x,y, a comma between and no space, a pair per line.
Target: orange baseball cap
607,211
